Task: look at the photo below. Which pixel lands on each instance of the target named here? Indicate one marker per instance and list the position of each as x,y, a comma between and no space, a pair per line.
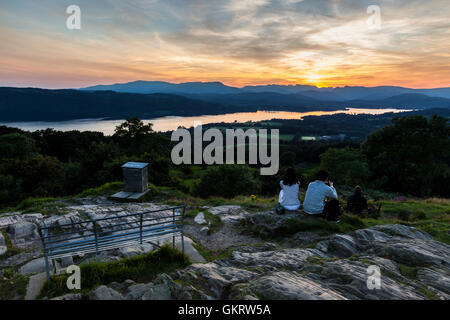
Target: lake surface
172,123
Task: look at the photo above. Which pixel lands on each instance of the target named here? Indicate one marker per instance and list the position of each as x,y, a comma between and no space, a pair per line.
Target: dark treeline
411,155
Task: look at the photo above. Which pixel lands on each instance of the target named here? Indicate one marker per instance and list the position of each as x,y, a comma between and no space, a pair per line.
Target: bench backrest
112,232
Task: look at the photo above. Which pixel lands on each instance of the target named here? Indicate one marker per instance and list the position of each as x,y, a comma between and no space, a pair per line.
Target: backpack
279,209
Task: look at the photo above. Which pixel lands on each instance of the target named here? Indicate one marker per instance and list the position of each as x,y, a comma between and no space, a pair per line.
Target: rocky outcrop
303,265
337,268
105,293
3,247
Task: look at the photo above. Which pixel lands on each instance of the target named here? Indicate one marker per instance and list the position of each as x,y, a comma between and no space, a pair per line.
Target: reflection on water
172,123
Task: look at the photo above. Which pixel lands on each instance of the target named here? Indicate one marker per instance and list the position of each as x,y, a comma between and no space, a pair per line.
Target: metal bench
95,235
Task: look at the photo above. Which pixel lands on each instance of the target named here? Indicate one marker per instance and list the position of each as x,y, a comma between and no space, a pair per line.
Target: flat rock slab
123,195
35,285
225,209
35,266
289,286
189,249
2,244
6,221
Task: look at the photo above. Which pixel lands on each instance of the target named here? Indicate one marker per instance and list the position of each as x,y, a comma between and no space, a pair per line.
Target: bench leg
47,271
182,242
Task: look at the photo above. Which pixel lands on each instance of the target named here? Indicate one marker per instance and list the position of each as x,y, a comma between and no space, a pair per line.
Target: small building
135,178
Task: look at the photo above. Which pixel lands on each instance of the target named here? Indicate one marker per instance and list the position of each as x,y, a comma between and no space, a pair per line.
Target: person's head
322,175
358,190
290,177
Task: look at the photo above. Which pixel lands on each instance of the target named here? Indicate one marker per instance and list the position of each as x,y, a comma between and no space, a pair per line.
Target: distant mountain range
148,100
326,94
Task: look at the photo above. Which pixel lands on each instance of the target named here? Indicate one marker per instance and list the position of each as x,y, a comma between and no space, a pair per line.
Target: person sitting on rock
315,203
356,203
290,185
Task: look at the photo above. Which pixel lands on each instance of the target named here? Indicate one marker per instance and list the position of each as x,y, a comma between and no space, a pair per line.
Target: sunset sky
237,42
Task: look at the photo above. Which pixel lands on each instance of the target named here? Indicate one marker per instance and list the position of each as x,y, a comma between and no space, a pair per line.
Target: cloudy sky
237,42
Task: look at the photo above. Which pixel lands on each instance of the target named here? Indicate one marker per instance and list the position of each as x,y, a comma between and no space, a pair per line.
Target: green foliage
407,271
214,222
70,162
212,255
228,181
37,176
105,190
412,156
10,249
143,268
46,206
9,188
302,223
15,145
288,159
345,165
13,285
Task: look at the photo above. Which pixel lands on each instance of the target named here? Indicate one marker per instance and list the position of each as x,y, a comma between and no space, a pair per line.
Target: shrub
346,166
228,181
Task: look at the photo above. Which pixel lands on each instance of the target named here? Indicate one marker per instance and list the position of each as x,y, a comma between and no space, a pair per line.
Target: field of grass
143,269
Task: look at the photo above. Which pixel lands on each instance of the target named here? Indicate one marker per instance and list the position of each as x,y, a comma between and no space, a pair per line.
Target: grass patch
10,249
407,271
46,206
430,215
319,260
143,268
418,209
302,224
214,222
211,255
105,190
13,286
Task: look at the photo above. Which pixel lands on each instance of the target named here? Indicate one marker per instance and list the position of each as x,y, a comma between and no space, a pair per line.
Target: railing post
182,226
47,266
173,220
140,227
96,238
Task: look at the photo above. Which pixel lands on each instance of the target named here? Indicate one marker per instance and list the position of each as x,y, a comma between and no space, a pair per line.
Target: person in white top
289,191
315,204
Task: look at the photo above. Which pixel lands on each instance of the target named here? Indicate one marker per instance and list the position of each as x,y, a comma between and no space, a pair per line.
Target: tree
345,165
9,189
228,181
136,138
288,158
16,145
40,175
412,155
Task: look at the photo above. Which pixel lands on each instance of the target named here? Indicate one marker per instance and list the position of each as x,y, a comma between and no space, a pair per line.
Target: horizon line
218,81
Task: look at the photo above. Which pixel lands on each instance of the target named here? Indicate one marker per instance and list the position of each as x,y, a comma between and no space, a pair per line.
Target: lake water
172,123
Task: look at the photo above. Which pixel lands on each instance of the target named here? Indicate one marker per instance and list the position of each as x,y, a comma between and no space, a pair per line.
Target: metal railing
95,235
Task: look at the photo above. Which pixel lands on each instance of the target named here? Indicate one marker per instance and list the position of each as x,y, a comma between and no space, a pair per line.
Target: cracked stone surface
305,266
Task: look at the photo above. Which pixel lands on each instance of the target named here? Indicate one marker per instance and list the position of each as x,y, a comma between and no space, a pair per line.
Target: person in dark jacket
356,203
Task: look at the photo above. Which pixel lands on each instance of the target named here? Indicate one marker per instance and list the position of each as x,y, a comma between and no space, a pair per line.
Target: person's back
289,190
289,196
315,197
356,203
317,192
